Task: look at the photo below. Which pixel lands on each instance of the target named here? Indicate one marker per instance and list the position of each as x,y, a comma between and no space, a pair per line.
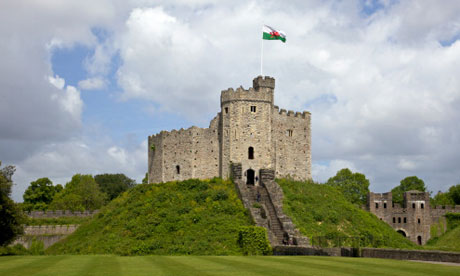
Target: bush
37,247
453,220
254,241
17,249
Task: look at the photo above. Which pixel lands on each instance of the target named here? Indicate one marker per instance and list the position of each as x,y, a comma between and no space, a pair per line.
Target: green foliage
354,186
17,249
254,240
81,193
453,220
39,194
442,199
152,147
322,213
407,184
454,193
37,247
145,180
114,184
191,217
11,216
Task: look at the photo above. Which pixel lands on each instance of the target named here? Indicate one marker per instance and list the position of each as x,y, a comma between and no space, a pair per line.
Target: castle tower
246,128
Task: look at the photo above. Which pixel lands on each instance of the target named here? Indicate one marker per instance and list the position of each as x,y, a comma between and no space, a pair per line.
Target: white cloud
92,84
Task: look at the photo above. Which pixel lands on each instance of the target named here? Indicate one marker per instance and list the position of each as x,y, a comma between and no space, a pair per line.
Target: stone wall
184,154
48,234
421,255
291,142
384,253
60,213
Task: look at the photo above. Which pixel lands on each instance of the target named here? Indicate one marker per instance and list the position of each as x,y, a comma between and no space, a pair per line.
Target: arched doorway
402,232
419,240
250,177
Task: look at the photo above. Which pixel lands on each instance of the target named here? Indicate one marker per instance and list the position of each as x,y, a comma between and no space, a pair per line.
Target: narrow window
399,220
289,132
376,205
226,110
405,221
422,205
178,169
413,205
251,153
253,108
418,221
394,220
384,205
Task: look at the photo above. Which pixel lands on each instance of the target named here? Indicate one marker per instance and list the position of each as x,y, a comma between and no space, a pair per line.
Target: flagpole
262,52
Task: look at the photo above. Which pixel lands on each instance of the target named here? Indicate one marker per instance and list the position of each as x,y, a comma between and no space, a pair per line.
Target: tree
454,193
39,194
354,186
114,184
407,184
11,217
81,193
442,199
145,180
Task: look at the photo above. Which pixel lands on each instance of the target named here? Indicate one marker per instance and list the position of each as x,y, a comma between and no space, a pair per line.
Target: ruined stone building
414,218
249,130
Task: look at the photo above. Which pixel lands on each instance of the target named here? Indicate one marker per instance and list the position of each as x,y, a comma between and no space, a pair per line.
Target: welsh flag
272,34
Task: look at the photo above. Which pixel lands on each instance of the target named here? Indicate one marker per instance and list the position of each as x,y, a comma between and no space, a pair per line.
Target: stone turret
263,82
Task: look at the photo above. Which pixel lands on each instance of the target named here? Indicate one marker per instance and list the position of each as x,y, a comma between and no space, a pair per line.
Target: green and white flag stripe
272,34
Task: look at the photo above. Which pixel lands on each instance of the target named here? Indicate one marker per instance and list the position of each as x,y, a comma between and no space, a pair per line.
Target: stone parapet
60,214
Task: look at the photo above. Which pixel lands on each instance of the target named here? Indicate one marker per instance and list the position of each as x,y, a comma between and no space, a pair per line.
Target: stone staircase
266,209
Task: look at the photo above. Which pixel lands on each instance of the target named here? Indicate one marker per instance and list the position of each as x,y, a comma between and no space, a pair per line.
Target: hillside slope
175,218
327,218
449,241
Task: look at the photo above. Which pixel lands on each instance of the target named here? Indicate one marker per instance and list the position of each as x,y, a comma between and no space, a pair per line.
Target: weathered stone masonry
249,130
414,218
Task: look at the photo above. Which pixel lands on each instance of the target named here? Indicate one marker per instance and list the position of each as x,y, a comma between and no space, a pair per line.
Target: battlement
254,94
290,113
263,82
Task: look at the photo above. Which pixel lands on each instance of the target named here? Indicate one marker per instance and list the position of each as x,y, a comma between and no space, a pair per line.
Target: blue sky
83,84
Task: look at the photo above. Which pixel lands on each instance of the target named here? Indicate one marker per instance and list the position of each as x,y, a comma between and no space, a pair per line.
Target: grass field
212,265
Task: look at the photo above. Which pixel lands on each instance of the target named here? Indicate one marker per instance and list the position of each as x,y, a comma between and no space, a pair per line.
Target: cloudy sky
83,83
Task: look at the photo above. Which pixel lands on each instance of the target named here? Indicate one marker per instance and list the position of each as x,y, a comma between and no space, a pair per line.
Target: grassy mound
175,218
324,215
449,241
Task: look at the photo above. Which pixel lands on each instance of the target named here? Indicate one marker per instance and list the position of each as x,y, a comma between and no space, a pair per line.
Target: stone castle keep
249,130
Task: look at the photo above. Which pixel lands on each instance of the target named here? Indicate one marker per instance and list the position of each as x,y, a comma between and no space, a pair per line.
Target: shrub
37,247
254,241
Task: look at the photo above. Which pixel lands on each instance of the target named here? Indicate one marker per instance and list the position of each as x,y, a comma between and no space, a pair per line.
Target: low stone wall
50,229
383,253
60,214
48,234
420,255
315,251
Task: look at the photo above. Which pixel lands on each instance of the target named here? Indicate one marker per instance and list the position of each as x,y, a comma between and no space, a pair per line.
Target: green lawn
213,265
